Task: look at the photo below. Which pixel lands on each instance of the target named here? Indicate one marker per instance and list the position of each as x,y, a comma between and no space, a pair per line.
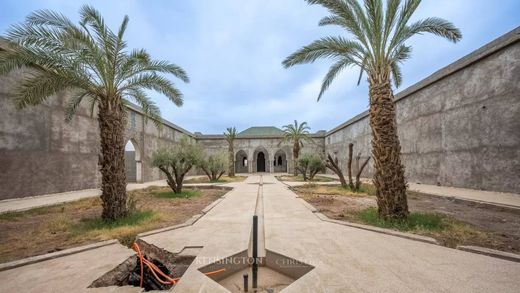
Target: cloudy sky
233,49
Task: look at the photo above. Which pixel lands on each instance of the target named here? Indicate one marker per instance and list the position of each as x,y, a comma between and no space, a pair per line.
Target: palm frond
37,87
436,26
230,134
73,104
334,71
328,47
150,109
378,32
157,83
397,77
88,58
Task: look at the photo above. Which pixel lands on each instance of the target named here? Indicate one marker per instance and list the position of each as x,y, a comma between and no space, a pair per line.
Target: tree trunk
360,170
112,160
333,165
231,163
296,154
179,178
170,180
312,174
389,178
303,170
207,172
349,167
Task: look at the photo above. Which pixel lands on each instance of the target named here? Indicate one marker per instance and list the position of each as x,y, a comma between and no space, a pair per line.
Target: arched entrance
132,162
260,162
280,161
241,163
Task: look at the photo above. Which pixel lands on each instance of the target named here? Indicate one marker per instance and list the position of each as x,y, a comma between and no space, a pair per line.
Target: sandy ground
502,225
48,229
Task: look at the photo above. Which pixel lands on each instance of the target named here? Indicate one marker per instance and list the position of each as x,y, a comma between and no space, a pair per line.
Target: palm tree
295,134
378,33
230,135
91,62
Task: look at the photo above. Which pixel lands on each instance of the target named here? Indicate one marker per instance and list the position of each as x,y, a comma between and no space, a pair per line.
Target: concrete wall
460,126
41,154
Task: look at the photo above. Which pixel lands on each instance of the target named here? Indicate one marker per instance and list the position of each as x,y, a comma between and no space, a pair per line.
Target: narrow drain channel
259,212
257,269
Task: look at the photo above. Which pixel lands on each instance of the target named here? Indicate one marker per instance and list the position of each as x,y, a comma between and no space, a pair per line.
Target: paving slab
348,259
222,232
71,273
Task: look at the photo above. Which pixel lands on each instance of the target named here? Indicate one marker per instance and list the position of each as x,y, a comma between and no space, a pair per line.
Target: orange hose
215,272
154,269
138,250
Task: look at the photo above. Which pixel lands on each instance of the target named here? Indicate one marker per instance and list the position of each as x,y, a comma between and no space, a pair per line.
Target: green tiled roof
261,131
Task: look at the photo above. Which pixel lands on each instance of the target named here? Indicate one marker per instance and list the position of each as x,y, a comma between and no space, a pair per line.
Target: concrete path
491,197
27,203
346,259
499,198
72,273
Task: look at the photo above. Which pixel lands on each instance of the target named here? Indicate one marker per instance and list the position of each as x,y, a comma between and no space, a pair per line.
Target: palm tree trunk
296,153
231,162
389,178
112,160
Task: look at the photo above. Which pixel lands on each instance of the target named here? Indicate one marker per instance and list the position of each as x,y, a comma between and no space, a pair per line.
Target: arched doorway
132,162
241,163
260,162
280,161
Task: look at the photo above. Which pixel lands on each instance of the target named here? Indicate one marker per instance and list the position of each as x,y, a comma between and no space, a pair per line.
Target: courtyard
249,166
343,257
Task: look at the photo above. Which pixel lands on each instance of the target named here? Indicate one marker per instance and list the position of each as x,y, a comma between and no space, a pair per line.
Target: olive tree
214,165
176,161
309,164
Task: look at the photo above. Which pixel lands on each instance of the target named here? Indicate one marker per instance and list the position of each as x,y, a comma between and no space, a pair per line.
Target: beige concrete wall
41,154
459,127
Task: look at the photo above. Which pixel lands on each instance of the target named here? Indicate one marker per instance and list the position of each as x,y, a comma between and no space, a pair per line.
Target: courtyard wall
458,127
41,154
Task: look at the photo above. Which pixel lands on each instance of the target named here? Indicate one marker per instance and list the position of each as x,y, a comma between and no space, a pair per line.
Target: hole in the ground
128,273
276,272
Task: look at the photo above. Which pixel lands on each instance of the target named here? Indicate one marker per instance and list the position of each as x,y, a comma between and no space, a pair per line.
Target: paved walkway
491,197
346,259
26,203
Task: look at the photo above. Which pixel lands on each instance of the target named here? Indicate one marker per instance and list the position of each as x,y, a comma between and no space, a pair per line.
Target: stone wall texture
458,127
41,154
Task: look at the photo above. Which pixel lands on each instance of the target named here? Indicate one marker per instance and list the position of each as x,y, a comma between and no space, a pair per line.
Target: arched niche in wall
241,162
133,162
280,161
